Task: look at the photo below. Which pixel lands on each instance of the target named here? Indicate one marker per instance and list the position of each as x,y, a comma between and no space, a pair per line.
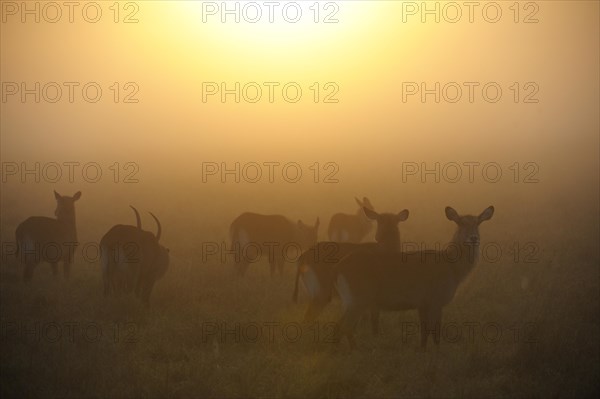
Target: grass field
526,330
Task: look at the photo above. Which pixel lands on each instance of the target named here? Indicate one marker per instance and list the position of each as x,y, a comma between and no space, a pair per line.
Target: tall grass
173,350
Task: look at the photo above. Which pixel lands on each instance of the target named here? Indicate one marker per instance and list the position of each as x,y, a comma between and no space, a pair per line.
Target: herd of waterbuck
367,277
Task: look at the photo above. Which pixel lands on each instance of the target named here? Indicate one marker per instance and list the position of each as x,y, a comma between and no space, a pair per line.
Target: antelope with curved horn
133,258
344,227
153,271
41,238
422,280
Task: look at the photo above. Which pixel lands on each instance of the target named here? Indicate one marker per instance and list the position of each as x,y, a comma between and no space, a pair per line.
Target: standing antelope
41,238
268,234
133,258
316,266
422,280
351,228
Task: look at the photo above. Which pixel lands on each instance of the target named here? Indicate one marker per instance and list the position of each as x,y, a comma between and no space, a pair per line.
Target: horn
158,224
138,220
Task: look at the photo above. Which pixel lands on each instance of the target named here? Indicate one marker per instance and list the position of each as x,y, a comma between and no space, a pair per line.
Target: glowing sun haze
361,63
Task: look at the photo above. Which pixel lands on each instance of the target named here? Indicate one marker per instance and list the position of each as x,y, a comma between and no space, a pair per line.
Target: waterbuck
254,235
41,238
421,280
317,265
351,228
133,259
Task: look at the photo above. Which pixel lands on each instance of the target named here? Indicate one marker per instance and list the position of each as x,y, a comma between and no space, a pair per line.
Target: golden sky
364,59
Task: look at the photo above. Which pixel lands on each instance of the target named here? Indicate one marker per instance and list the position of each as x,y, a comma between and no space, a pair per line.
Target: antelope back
260,229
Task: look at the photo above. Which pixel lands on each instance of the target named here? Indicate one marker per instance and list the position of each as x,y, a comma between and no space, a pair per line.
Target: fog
165,140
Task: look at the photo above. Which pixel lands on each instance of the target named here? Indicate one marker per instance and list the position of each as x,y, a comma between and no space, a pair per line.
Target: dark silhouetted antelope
133,259
317,265
254,235
41,238
351,228
422,280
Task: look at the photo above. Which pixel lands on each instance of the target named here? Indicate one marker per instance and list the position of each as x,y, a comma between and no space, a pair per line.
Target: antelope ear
451,214
358,202
56,195
402,216
317,223
77,196
370,214
300,224
367,203
486,215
